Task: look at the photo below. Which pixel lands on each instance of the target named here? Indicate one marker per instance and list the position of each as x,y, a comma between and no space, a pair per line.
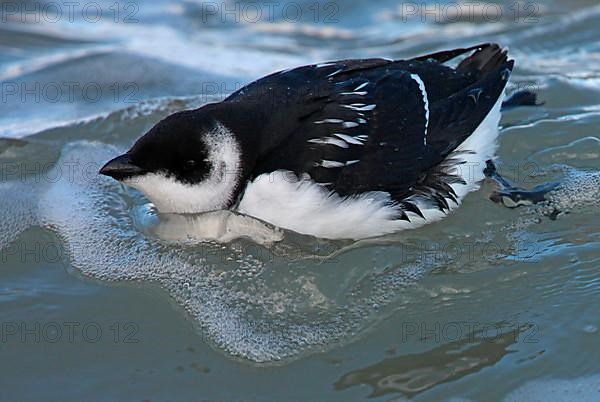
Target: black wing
376,124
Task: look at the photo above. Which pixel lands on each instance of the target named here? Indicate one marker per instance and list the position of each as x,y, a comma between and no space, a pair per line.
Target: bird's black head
175,147
188,162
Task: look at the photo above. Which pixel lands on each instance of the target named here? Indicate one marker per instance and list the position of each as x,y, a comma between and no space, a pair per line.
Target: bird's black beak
122,167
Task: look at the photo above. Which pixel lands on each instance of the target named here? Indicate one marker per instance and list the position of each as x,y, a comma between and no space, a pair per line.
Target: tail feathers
486,57
484,60
446,55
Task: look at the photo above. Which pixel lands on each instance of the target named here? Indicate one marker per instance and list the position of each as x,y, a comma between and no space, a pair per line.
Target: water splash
264,303
253,302
578,190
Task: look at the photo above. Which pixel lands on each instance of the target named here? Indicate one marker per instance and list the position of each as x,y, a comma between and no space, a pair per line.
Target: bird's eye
190,164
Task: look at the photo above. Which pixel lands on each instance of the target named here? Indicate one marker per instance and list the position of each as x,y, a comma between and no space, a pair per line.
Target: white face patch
213,193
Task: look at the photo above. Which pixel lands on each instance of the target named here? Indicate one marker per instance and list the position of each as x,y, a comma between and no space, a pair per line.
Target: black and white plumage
346,149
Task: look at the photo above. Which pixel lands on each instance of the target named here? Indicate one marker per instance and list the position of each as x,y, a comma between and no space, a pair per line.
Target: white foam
247,300
256,303
578,190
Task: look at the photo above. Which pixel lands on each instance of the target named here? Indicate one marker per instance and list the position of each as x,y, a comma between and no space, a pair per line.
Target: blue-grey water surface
490,304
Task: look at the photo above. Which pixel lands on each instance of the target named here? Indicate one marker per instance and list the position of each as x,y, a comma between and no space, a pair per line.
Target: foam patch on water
577,190
255,303
264,303
17,212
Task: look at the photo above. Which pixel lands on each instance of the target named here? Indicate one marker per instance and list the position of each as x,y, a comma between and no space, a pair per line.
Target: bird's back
375,124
